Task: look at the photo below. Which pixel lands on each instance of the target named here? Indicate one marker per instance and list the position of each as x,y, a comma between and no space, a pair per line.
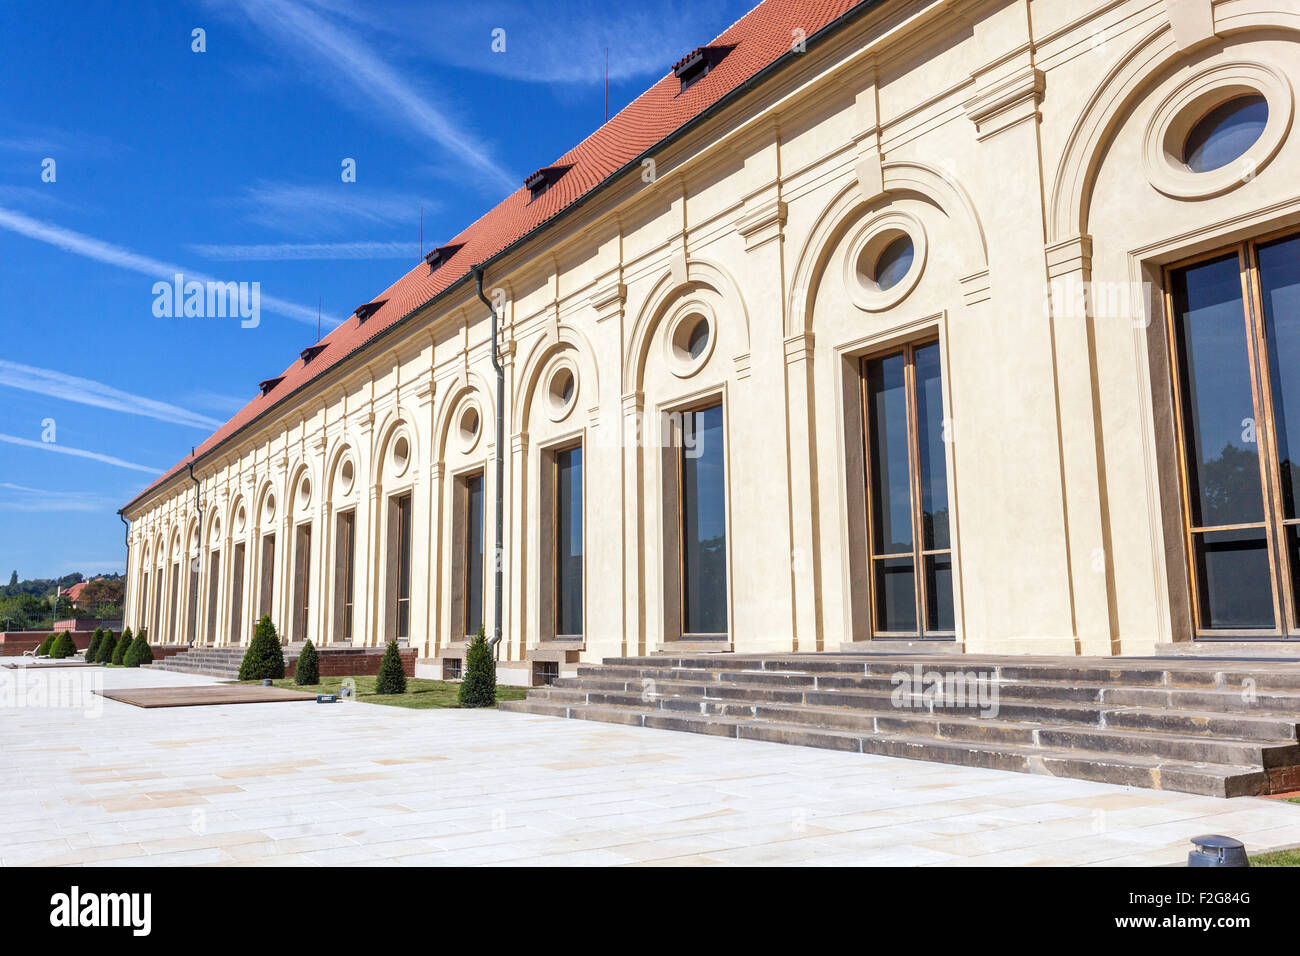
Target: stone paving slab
204,696
302,784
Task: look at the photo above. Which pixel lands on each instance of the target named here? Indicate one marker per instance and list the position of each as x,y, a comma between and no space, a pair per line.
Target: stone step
790,687
1266,743
1222,727
1129,770
691,695
1189,674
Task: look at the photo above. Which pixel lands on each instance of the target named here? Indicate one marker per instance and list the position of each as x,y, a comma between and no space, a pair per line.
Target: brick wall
354,661
17,643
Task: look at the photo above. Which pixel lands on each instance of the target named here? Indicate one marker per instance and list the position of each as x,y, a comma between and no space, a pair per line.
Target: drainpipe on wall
198,547
126,568
500,443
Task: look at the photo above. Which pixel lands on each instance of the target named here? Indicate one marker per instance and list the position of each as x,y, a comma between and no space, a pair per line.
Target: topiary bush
307,671
63,646
44,649
392,679
119,649
139,652
264,658
479,686
105,648
93,646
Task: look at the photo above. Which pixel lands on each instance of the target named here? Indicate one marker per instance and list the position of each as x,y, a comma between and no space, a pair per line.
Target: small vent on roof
363,312
269,384
310,352
691,68
544,179
442,255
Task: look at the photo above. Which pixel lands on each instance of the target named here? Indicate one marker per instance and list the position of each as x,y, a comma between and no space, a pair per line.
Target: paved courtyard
318,785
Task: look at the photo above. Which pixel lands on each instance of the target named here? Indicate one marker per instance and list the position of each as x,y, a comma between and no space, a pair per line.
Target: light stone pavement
320,785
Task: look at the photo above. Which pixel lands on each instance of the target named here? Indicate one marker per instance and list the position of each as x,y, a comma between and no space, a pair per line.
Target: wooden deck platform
204,695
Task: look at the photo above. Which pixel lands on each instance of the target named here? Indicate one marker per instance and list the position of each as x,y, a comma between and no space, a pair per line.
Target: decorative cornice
762,224
1006,101
608,299
1069,256
798,347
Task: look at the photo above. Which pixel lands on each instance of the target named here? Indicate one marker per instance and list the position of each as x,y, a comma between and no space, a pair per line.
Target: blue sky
227,164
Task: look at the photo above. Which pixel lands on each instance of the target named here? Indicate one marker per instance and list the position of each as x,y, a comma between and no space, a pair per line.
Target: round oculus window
1225,133
893,263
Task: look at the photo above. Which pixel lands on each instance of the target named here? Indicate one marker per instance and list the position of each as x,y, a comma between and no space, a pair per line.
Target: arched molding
849,205
565,339
1146,63
400,420
699,272
455,392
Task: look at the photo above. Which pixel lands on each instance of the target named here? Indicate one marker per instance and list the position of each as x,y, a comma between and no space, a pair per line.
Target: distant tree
13,580
44,649
307,671
264,657
392,678
102,591
478,688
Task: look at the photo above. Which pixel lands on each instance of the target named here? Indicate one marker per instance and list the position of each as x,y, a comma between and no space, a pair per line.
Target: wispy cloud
227,404
44,499
347,64
310,250
322,210
92,248
85,391
644,39
78,453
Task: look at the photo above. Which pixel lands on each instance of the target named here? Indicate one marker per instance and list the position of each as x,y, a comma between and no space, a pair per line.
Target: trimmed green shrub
478,688
139,652
392,679
44,649
307,671
93,646
63,646
119,649
105,648
264,657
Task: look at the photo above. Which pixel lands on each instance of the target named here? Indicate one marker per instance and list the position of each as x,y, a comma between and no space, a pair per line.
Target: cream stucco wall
1009,139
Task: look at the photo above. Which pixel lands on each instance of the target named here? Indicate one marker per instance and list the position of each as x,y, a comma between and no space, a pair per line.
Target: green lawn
420,694
1278,858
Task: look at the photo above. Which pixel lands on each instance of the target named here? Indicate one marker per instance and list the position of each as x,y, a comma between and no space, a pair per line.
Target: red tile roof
759,39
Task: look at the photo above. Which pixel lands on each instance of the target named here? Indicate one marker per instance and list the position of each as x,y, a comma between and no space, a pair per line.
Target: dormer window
269,384
442,255
310,352
544,179
691,68
363,312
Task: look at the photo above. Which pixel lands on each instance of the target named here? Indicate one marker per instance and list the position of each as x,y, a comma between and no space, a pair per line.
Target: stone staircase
221,662
1221,728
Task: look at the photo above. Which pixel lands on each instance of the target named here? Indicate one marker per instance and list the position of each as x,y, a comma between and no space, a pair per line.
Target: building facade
967,321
